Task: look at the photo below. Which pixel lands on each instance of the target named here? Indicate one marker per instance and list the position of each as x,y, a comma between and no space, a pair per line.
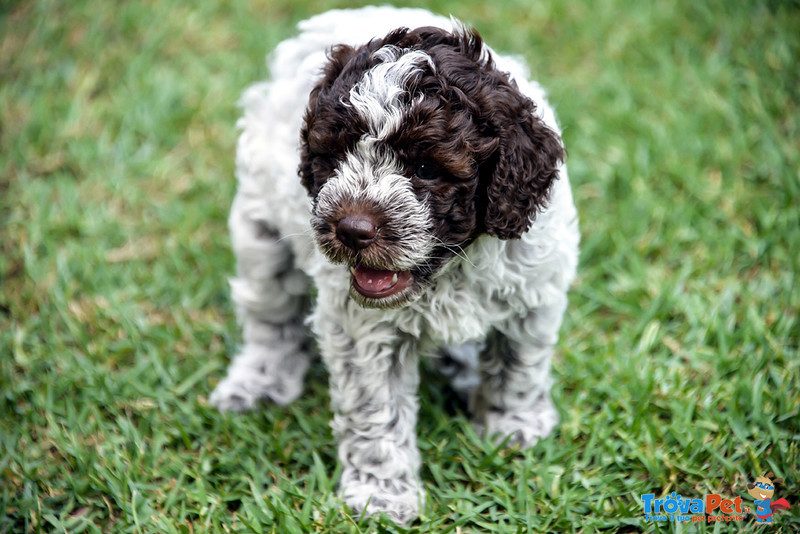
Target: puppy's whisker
306,233
456,249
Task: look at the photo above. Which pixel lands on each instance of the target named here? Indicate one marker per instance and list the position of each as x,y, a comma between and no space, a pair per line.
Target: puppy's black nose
356,231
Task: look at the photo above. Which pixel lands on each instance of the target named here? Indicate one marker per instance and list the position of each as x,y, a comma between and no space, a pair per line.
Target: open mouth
379,284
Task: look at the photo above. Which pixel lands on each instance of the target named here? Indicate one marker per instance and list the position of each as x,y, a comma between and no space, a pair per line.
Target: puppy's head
412,146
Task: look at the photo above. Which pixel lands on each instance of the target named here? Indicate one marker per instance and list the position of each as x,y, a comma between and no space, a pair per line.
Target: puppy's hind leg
460,365
270,296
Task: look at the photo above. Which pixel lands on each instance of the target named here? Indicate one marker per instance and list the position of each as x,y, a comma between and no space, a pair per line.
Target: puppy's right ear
313,140
338,57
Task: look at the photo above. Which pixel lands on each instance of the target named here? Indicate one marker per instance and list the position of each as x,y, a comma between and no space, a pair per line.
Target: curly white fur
502,299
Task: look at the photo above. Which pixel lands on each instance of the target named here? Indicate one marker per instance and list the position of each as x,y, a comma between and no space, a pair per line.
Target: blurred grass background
678,367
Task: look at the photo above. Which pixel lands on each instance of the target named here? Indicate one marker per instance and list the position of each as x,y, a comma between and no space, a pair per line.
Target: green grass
678,367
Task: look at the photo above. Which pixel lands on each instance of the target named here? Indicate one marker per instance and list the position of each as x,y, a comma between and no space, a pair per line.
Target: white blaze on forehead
378,95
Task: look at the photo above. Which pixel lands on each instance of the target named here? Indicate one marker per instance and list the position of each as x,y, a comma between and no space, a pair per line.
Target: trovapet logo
716,508
675,507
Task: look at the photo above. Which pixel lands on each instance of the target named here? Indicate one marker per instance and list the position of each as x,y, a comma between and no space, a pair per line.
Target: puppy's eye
426,171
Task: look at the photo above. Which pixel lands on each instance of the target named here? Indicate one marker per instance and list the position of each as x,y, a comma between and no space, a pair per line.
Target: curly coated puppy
434,216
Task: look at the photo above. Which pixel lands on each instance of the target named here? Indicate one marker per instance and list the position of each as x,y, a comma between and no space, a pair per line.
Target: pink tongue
373,279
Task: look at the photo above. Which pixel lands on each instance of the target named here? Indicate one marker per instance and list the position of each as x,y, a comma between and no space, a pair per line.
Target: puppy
434,217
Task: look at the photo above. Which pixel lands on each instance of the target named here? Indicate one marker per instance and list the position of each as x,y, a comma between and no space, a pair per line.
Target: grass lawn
678,366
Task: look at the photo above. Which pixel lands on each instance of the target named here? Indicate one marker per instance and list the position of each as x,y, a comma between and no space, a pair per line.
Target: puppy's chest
457,310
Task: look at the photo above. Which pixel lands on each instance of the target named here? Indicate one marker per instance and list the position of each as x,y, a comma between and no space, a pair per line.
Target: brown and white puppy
433,215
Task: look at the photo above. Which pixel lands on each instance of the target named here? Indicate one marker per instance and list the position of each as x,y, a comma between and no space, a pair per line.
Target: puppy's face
412,146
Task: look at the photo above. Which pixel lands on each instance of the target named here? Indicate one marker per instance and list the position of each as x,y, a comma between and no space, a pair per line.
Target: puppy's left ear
525,164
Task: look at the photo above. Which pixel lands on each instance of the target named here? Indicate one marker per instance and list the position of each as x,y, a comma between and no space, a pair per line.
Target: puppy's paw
246,386
232,395
398,500
524,427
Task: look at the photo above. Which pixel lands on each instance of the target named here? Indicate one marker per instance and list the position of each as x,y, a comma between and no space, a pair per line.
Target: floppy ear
525,164
338,57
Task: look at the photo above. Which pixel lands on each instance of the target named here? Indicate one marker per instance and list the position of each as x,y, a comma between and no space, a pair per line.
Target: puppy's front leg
513,399
373,387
